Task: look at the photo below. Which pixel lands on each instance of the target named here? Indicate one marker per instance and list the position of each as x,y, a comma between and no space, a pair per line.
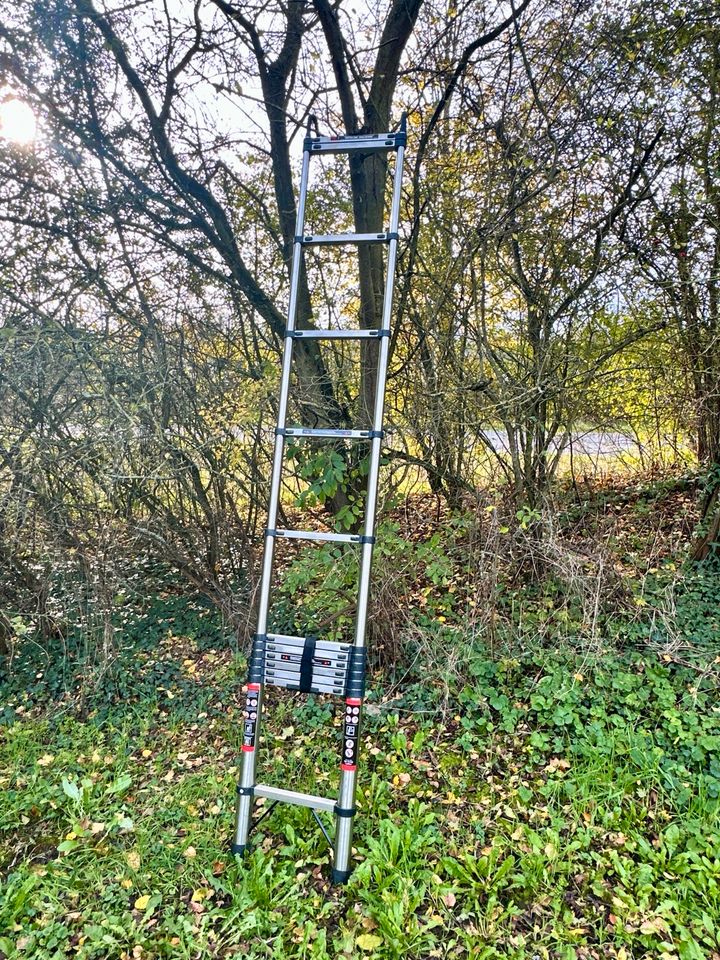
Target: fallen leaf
142,902
368,941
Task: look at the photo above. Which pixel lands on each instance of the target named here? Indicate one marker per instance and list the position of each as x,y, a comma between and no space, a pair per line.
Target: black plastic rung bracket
298,238
256,672
279,431
382,333
246,791
357,665
391,236
344,811
269,532
366,540
401,139
372,434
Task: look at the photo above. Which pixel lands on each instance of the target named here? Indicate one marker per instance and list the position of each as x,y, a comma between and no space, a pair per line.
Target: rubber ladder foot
239,849
340,876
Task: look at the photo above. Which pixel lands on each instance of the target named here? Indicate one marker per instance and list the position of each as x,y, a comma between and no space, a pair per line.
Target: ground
550,801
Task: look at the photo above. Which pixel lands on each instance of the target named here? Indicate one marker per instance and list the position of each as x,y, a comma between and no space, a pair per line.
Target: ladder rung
280,666
332,687
291,655
314,535
337,334
324,665
327,239
367,142
331,646
291,796
321,676
339,434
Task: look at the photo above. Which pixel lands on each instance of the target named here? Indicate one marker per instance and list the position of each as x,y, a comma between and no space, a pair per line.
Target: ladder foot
340,876
239,849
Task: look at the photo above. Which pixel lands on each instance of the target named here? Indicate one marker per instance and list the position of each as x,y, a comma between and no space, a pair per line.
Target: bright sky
17,121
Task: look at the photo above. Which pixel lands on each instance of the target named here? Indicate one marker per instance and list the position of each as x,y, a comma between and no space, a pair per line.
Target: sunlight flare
17,121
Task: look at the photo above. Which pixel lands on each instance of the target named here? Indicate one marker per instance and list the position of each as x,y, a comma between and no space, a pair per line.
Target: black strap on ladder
311,664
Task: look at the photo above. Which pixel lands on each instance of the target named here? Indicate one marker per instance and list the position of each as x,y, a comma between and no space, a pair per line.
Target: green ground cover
554,801
547,808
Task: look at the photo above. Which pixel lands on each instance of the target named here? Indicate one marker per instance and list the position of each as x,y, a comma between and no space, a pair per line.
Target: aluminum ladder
310,664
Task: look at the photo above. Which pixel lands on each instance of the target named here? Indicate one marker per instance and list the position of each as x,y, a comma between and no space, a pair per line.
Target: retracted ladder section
309,664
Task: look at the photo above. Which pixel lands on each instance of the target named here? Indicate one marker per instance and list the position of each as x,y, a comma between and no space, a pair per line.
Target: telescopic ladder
310,664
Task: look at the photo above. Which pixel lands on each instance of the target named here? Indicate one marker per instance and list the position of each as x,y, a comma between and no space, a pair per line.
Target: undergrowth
540,796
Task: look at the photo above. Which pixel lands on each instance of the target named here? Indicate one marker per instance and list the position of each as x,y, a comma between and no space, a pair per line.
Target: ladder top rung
336,239
292,796
337,334
368,142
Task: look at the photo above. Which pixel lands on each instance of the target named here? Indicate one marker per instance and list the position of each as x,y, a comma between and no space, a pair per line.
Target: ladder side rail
253,704
345,810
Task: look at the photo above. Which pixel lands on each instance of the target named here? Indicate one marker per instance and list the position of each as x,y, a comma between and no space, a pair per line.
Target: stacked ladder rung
308,664
304,663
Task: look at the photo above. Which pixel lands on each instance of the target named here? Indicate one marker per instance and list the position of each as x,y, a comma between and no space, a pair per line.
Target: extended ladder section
311,664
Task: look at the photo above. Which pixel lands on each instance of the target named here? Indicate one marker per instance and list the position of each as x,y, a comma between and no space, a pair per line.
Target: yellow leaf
190,853
133,859
142,902
147,753
368,941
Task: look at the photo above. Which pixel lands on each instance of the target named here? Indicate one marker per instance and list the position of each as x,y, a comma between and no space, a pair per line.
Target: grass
551,803
548,814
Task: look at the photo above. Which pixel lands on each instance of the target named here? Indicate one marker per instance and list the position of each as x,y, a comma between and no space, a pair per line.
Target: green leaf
120,784
71,789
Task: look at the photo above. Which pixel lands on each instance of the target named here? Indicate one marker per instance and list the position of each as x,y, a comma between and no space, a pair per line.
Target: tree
538,189
676,240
